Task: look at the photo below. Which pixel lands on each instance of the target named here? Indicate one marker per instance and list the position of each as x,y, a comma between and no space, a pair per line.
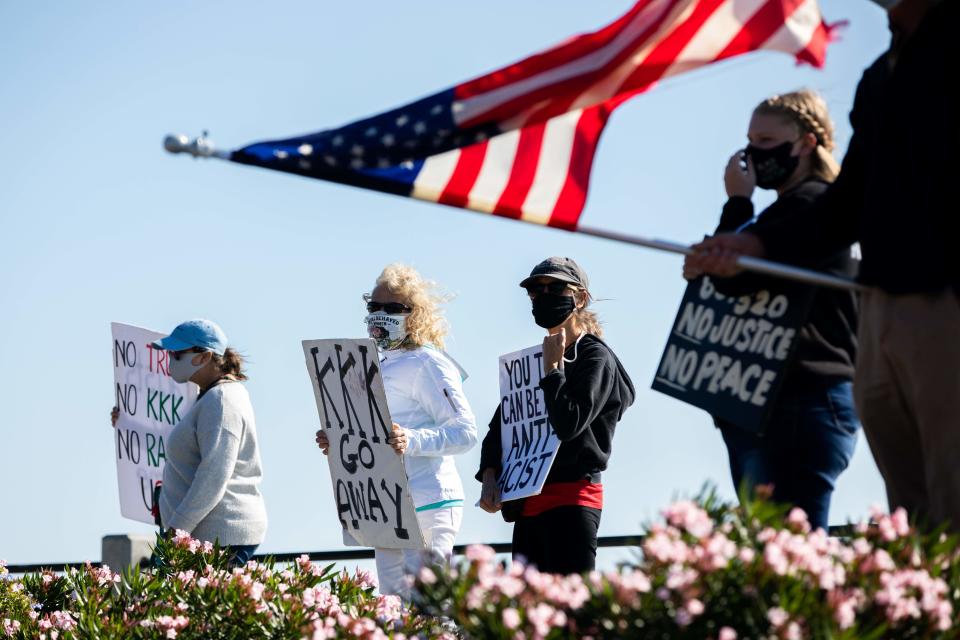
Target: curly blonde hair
807,110
425,324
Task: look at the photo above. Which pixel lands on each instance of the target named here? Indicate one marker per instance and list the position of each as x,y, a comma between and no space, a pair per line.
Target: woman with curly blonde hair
432,419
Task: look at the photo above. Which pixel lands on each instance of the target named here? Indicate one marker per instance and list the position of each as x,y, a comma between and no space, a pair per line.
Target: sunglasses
176,355
392,308
554,287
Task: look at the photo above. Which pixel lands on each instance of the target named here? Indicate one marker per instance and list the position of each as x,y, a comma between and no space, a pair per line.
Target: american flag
519,142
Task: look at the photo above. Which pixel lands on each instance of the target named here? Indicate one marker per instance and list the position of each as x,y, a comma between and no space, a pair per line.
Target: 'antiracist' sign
727,355
527,437
151,404
369,481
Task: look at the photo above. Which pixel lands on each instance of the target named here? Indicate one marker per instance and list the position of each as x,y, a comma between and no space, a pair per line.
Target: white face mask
388,331
183,369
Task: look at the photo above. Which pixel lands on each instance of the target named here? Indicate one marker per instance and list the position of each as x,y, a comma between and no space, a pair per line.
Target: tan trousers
907,392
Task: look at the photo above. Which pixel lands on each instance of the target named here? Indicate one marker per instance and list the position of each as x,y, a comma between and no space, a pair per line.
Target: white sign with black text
527,437
151,404
370,485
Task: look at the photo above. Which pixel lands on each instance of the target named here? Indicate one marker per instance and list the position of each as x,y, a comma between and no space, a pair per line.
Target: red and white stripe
554,105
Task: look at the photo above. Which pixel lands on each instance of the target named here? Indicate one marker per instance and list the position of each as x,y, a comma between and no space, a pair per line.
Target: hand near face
553,347
739,181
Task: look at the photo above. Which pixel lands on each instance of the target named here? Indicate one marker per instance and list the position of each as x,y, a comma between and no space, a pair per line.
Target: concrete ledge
125,550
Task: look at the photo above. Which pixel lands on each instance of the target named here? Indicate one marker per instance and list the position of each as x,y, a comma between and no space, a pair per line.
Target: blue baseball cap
201,333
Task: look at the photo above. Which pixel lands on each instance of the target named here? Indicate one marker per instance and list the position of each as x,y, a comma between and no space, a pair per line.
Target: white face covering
183,369
388,331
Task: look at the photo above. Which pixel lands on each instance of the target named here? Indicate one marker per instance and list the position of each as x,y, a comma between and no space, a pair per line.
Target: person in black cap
586,391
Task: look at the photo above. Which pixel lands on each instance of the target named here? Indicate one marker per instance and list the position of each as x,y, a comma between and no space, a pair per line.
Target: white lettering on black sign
727,355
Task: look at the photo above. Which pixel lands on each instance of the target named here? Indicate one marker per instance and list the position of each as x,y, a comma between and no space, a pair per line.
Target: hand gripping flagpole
203,147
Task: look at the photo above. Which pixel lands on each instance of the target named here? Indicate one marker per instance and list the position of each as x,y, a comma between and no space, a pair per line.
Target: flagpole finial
199,147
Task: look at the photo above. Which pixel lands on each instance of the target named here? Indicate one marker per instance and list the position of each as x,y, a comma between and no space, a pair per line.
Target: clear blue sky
99,224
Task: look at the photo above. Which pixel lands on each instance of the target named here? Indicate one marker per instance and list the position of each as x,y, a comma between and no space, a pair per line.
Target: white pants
396,568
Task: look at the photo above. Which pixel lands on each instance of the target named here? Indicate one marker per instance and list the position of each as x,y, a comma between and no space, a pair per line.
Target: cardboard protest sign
727,355
369,481
151,404
527,437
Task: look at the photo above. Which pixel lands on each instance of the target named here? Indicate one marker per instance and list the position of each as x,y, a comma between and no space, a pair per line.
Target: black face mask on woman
773,166
550,310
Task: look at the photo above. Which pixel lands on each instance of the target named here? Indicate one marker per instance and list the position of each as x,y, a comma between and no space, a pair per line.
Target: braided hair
808,111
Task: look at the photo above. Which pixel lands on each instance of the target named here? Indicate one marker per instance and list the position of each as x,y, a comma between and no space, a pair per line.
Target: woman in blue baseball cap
211,480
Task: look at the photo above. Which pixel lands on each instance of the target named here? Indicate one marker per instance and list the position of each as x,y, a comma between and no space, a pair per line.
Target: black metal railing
367,553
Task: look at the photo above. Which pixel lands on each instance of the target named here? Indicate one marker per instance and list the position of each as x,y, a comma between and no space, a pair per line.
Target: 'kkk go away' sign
527,437
150,404
727,355
369,482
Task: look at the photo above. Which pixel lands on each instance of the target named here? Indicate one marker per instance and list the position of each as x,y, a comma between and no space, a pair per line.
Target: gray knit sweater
212,474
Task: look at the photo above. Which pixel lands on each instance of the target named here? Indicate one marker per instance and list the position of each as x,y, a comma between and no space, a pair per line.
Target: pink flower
480,553
541,617
427,576
777,617
365,579
511,619
900,522
798,519
687,515
388,608
694,607
726,633
794,632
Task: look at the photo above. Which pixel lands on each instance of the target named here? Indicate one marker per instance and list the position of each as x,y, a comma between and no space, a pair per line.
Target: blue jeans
809,441
241,553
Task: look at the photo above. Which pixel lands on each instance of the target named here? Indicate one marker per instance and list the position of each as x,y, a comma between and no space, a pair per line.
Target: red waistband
582,493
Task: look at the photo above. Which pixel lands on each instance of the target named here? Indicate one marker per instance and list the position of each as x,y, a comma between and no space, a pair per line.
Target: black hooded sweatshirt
584,401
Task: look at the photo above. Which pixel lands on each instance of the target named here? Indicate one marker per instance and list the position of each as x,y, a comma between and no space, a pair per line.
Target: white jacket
425,396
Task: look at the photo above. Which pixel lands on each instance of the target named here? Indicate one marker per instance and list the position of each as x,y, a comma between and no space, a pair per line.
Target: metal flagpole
751,264
203,147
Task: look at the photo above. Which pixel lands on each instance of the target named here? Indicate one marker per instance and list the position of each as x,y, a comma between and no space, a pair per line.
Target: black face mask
773,166
550,310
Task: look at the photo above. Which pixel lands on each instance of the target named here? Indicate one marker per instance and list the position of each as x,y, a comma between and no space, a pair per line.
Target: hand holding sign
398,439
323,441
490,494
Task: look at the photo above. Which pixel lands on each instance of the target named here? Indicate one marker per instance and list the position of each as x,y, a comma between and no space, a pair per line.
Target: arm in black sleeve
491,450
574,403
737,211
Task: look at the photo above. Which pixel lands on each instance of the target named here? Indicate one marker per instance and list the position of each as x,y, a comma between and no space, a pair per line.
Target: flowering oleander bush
707,570
193,594
714,570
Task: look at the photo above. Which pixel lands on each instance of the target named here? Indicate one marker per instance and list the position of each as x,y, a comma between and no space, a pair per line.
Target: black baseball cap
563,269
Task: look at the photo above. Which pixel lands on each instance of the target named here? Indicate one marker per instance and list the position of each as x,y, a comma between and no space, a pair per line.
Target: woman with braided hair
812,428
